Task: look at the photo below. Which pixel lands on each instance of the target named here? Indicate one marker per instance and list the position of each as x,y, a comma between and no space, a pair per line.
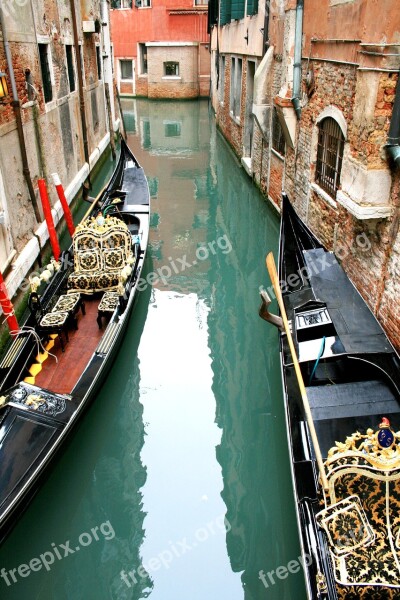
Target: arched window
329,155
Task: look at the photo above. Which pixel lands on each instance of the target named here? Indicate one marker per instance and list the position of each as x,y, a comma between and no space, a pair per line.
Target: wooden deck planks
61,377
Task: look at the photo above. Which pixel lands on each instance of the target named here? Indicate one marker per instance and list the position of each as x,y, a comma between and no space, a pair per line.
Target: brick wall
276,178
184,86
230,127
368,250
142,87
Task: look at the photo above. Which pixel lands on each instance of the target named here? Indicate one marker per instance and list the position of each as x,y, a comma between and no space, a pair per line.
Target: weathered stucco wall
52,130
164,22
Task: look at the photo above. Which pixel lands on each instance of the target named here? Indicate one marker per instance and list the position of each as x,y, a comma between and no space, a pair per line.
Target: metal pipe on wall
80,84
17,110
298,43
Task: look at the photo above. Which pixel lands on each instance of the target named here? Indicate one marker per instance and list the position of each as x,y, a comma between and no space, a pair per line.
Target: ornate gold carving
34,400
366,446
322,586
100,225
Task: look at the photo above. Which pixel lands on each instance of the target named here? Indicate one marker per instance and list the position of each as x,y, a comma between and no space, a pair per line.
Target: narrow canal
176,483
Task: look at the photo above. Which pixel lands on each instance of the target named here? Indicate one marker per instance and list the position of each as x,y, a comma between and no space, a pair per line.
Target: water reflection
189,427
97,480
202,198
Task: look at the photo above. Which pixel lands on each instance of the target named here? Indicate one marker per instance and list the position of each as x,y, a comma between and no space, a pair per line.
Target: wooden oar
275,282
93,204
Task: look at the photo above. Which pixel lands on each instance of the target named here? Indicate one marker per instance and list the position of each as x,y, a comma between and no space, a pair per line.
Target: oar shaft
93,204
275,282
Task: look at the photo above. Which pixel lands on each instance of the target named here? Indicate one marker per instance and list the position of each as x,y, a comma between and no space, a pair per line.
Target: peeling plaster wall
52,130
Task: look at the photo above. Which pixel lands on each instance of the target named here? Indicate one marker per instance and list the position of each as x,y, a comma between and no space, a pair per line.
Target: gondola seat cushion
102,254
362,519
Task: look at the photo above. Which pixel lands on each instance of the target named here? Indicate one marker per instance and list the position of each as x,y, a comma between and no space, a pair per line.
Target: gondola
78,312
341,383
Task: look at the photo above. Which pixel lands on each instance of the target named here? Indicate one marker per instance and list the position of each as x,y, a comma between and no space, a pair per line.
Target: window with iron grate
45,68
118,4
171,69
70,67
329,155
278,139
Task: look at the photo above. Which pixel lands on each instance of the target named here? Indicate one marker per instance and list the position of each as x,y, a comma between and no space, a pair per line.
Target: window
45,67
98,57
236,86
171,69
224,12
143,3
70,67
121,3
143,59
329,155
237,10
126,69
145,131
200,2
278,139
172,128
221,79
252,7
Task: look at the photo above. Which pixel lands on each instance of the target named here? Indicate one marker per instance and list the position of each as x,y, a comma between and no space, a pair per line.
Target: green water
181,463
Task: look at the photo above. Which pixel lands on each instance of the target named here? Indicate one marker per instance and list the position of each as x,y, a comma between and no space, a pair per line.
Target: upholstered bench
108,304
361,515
102,255
71,303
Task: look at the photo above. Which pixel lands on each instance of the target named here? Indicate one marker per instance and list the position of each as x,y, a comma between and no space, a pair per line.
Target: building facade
161,49
54,118
321,102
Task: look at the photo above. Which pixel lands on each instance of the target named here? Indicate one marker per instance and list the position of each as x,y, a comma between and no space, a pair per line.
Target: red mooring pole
8,309
64,203
49,218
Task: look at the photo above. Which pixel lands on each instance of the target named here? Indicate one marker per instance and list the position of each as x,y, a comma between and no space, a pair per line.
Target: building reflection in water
200,196
106,447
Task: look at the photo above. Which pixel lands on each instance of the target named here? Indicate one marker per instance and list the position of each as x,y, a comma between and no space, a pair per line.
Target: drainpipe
266,27
393,141
80,85
298,43
17,110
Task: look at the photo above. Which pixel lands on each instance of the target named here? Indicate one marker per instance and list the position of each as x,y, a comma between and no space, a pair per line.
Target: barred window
171,69
98,60
329,155
121,3
45,67
143,58
70,67
126,69
278,139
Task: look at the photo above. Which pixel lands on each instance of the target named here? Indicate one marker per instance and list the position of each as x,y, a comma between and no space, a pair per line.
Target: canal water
176,484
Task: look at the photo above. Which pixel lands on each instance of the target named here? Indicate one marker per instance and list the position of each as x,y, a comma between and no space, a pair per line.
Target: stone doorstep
246,164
